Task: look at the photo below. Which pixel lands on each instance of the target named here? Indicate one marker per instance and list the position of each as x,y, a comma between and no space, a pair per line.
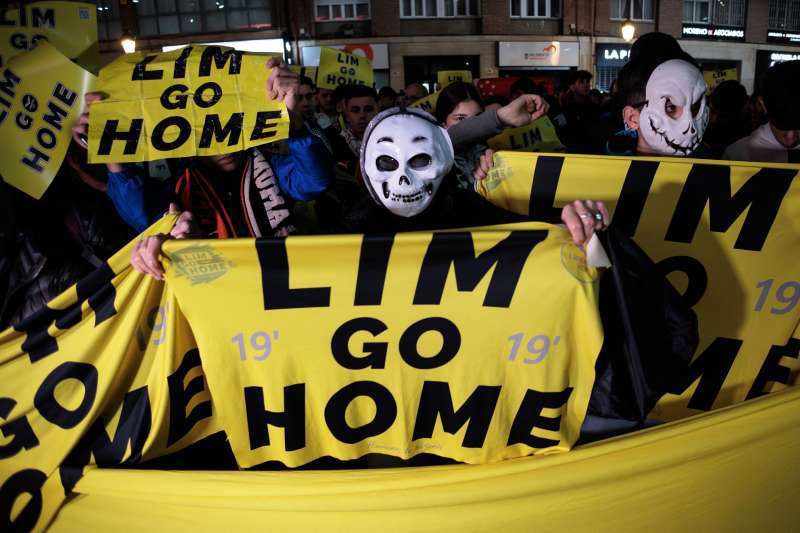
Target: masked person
406,161
664,107
777,141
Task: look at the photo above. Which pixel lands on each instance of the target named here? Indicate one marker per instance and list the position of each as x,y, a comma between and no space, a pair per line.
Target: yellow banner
69,26
720,231
194,101
538,136
41,96
743,463
446,77
337,67
428,103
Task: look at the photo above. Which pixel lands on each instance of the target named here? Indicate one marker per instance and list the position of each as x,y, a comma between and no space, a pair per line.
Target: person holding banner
459,101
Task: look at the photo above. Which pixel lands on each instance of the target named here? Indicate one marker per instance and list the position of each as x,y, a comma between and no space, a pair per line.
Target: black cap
780,90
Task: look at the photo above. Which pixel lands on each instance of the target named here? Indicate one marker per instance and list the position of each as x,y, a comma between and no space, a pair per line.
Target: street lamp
628,31
128,42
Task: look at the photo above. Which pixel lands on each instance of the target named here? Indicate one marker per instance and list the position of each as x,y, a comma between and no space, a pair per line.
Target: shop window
326,10
716,13
439,8
167,17
109,27
536,8
640,10
784,14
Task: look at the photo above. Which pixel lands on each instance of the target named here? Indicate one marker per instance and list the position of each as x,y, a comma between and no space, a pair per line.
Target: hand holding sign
282,85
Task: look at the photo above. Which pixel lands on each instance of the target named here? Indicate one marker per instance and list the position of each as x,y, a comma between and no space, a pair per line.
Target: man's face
581,87
223,163
325,101
358,112
305,96
788,138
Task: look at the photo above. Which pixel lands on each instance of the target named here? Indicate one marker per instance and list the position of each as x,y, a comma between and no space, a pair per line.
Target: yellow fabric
538,136
446,77
428,103
69,26
184,103
35,124
337,67
735,469
733,256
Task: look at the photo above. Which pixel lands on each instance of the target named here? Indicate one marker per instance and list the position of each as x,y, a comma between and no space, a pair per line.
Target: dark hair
452,95
578,75
779,94
730,96
305,80
358,91
654,44
387,92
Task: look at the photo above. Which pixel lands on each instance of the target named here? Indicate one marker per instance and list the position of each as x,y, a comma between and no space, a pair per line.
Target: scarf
264,210
351,140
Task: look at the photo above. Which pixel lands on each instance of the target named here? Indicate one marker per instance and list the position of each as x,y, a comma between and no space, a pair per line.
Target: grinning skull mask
405,155
674,83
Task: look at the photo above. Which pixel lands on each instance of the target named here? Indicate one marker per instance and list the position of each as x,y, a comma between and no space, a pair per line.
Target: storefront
767,58
378,54
546,62
609,60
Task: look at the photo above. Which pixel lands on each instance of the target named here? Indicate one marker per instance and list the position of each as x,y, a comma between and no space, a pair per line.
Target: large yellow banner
538,136
41,96
196,100
69,26
725,234
443,343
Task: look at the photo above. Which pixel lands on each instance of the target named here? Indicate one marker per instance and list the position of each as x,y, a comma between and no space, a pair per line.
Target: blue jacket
303,174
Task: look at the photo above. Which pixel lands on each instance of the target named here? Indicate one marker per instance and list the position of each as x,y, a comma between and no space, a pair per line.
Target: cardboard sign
538,136
69,26
337,67
194,101
446,77
41,97
715,77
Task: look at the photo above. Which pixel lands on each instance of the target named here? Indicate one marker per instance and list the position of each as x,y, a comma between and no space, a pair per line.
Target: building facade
410,40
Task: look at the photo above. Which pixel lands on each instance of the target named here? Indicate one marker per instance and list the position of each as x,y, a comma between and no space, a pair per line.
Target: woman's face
465,109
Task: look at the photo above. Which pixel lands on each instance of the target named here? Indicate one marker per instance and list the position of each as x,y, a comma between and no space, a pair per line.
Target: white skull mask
404,157
680,84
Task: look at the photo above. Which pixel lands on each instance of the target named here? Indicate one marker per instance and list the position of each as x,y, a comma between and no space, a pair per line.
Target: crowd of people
359,160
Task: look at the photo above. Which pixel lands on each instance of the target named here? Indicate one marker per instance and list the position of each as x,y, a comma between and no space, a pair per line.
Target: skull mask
674,84
405,155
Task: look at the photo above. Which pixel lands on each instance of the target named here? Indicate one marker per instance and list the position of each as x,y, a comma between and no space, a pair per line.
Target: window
165,17
439,8
536,8
714,12
341,10
108,23
784,14
632,9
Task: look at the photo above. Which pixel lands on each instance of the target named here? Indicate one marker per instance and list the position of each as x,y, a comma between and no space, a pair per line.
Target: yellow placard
41,96
538,136
446,77
194,101
337,67
428,103
715,77
721,231
309,72
69,26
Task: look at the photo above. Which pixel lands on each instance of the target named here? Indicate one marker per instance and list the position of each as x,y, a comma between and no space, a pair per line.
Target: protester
777,141
415,91
326,114
459,101
729,120
584,132
306,97
386,98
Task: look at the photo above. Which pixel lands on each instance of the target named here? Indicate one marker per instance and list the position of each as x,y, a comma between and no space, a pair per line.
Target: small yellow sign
337,67
446,77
